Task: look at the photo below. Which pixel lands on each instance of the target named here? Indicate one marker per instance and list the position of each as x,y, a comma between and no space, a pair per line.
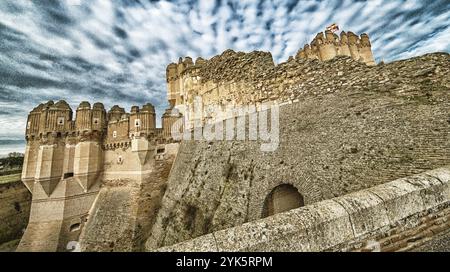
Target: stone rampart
396,216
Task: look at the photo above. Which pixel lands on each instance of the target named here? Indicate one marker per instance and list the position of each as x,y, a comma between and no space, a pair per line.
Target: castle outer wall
402,215
340,134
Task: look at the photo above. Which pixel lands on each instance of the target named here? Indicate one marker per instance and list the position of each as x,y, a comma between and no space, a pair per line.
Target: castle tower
353,42
365,50
169,118
300,54
32,148
172,83
326,46
142,121
200,61
331,45
49,165
90,127
344,50
118,125
56,121
115,113
309,52
83,117
98,117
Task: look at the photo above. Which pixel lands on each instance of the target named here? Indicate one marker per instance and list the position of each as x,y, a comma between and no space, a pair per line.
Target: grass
10,178
10,171
9,246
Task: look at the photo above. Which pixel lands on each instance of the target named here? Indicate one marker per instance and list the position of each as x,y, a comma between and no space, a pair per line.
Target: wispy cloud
116,51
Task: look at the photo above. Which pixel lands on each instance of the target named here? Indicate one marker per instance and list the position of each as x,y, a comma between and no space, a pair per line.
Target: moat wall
350,127
15,202
396,216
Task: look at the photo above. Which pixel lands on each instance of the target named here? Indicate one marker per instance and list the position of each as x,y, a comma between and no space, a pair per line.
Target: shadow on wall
282,198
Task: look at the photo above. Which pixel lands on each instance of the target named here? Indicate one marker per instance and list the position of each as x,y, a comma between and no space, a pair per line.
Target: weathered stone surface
206,243
15,202
356,221
69,161
362,132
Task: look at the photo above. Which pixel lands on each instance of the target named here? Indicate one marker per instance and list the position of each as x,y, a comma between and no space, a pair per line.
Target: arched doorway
282,198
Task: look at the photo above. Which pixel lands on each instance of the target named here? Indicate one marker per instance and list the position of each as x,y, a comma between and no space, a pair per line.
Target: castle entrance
282,198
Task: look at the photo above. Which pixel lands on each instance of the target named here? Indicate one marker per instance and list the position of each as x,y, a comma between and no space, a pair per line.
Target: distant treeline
13,161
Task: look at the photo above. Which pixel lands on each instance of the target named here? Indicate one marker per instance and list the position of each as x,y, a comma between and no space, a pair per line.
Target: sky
116,51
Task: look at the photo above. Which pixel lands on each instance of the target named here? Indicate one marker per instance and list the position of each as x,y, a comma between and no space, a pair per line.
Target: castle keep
113,181
66,159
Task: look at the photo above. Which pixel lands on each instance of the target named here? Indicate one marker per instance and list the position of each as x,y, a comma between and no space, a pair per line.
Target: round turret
365,41
343,37
98,106
115,113
188,61
62,105
134,109
352,38
200,61
330,36
148,108
84,105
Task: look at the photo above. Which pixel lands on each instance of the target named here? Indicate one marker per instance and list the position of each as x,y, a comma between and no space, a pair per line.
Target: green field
10,178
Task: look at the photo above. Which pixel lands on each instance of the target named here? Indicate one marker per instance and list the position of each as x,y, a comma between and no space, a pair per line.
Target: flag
333,28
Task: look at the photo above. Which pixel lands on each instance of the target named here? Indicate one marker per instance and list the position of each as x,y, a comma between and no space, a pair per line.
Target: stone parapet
396,216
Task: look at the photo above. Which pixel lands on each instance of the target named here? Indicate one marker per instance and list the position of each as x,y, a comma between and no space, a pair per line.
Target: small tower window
60,121
137,123
96,121
114,134
119,160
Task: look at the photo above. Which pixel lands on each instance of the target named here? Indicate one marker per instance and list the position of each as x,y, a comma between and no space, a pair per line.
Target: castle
65,158
187,80
112,181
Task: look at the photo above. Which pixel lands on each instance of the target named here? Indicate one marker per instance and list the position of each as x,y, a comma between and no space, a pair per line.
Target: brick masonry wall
397,216
15,203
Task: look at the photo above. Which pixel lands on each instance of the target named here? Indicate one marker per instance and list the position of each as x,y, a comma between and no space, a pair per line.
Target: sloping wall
123,214
396,216
15,202
364,134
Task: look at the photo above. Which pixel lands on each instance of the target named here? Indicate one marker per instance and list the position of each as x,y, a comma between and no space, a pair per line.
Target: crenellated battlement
67,161
329,45
54,121
58,146
238,78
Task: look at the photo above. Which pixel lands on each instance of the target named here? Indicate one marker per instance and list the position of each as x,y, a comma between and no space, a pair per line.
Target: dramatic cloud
116,51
